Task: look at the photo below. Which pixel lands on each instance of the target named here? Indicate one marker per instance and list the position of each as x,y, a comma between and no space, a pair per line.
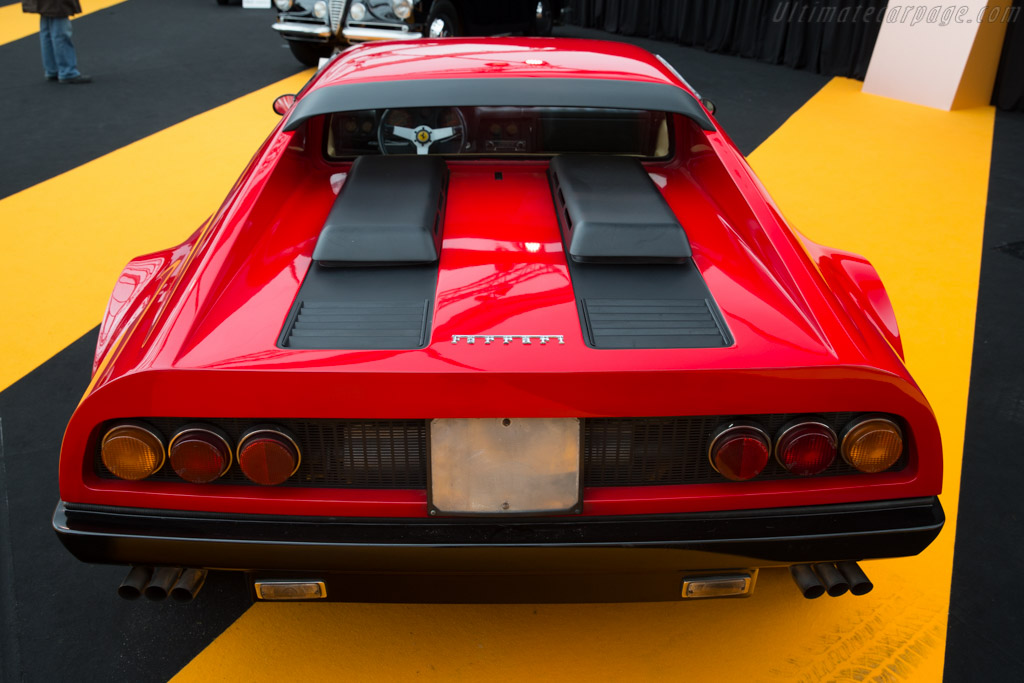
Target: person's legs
46,42
64,49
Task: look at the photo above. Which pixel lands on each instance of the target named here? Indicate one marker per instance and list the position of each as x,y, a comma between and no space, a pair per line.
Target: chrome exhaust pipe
160,583
834,582
859,582
187,587
133,584
807,581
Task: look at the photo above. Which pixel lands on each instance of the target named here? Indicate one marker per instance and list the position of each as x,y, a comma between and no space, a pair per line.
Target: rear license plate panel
504,466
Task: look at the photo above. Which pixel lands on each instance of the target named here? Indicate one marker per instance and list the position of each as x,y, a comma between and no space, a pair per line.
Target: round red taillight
200,453
806,447
268,455
739,451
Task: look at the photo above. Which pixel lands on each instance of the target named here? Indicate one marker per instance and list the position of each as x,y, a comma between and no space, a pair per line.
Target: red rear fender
857,285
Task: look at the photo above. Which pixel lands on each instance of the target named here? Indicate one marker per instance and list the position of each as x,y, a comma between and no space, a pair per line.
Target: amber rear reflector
290,590
268,455
873,444
721,586
739,451
132,451
199,453
806,447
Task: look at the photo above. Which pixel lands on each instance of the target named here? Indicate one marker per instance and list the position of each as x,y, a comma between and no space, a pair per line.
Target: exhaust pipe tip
835,584
133,584
807,581
160,584
859,582
187,587
154,593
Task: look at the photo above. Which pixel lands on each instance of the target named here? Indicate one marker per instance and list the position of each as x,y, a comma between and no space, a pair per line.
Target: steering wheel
423,130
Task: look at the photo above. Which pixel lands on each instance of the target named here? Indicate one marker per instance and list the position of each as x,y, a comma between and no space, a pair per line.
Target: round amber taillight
739,451
872,444
806,447
199,453
268,455
132,450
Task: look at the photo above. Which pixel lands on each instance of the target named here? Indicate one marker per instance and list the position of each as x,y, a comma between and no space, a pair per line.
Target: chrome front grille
335,12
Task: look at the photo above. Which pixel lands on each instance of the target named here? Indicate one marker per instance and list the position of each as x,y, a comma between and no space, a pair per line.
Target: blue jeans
58,51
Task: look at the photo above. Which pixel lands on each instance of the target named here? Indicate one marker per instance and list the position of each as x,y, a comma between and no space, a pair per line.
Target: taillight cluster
740,450
200,453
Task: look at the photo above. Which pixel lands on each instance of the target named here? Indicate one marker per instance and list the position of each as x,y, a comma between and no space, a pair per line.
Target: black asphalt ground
153,64
158,63
987,603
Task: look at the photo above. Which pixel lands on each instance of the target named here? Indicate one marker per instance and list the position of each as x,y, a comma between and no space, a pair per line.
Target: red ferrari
498,320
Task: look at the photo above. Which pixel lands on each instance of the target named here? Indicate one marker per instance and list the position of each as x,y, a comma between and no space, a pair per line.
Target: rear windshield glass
493,131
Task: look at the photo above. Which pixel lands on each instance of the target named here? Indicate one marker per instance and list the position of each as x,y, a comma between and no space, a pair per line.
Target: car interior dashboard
486,131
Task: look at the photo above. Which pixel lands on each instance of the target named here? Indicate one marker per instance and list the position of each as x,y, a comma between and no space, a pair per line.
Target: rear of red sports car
498,320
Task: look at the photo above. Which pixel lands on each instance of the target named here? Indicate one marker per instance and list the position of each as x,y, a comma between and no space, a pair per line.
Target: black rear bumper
747,538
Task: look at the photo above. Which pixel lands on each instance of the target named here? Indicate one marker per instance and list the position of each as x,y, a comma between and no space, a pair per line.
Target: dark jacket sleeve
52,8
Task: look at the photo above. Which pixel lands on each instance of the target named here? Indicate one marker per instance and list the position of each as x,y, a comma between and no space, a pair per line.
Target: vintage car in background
316,28
501,320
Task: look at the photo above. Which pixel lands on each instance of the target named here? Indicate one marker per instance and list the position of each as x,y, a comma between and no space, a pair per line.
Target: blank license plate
496,466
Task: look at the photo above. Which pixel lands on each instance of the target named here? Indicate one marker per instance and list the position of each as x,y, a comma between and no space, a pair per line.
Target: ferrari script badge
506,339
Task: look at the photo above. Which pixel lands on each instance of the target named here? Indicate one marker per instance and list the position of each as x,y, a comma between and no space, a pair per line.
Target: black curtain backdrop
1009,90
830,37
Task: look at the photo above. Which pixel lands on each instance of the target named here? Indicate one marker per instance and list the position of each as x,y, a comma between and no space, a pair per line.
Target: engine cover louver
379,325
654,323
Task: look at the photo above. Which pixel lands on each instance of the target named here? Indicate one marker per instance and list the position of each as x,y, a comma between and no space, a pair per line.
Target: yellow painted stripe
902,184
15,24
67,239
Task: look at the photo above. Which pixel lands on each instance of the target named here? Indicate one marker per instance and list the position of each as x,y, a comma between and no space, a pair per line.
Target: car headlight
358,11
402,8
320,9
283,5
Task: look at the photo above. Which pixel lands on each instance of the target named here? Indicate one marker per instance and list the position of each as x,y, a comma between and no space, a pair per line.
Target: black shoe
51,78
80,78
